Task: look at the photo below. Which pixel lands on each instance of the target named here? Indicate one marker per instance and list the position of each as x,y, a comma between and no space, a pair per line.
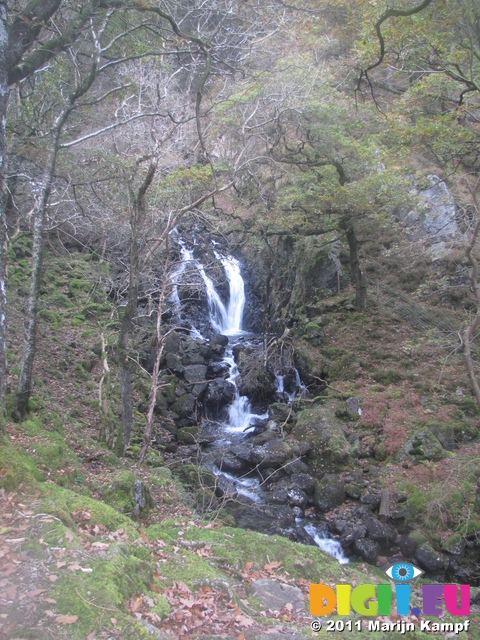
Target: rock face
423,445
434,219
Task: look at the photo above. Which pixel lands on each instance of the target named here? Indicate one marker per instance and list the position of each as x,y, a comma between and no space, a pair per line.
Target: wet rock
217,370
275,595
409,543
195,373
329,493
366,549
219,394
220,339
280,412
423,445
272,454
199,389
229,463
428,558
351,534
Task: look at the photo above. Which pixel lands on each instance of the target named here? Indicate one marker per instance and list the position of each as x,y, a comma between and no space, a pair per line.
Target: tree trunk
152,398
3,222
137,221
471,330
357,271
24,388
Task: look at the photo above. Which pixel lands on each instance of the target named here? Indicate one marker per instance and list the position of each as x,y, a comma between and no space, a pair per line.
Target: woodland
247,217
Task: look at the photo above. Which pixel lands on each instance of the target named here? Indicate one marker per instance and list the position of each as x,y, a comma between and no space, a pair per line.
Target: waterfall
226,320
321,539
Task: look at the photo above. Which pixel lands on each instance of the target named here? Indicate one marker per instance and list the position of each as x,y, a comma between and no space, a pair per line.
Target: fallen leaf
60,564
52,577
69,536
66,619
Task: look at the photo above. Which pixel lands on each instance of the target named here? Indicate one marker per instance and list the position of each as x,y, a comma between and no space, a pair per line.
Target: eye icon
403,572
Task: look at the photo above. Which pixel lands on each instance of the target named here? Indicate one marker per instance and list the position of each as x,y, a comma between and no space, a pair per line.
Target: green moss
78,320
16,468
64,501
106,589
77,285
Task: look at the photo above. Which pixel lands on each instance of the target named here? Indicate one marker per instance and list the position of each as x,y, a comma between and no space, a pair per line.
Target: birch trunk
3,224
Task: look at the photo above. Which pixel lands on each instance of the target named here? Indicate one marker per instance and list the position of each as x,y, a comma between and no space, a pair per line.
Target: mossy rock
454,544
329,449
120,493
194,477
423,445
187,435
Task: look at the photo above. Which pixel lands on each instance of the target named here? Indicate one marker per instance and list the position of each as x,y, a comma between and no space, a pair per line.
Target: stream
234,423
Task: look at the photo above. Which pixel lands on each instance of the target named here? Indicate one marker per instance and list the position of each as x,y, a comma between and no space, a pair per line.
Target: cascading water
227,320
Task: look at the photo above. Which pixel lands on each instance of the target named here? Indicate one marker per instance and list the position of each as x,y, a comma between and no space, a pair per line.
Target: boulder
366,549
329,448
276,596
272,454
423,445
329,493
429,559
219,394
195,373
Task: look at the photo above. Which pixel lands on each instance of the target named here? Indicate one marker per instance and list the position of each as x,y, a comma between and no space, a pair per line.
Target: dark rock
296,466
408,544
219,394
366,549
298,513
428,558
372,499
185,406
329,493
171,343
199,389
195,373
217,370
381,533
268,518
174,363
278,495
303,481
220,339
297,498
280,412
272,454
353,491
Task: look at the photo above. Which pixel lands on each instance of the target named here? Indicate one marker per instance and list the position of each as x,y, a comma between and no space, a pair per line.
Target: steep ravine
275,461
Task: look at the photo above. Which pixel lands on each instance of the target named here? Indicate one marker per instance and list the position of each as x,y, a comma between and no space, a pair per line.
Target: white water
178,271
226,320
332,547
